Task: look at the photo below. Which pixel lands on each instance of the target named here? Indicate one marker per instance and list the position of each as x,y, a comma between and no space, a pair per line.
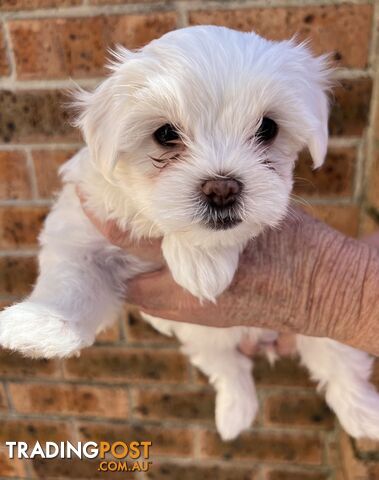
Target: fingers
147,249
157,294
286,345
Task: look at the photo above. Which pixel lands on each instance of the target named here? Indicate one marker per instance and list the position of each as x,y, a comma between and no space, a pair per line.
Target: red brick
121,2
15,181
73,468
171,471
373,472
17,275
366,447
139,331
131,365
373,175
341,217
352,467
4,63
342,29
173,405
77,47
350,107
11,468
13,365
165,441
33,4
285,372
299,411
21,226
46,164
5,304
109,335
373,179
296,475
31,430
334,179
82,400
369,223
375,373
265,446
3,399
35,116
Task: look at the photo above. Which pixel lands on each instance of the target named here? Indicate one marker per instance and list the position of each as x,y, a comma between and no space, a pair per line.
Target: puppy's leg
230,373
64,311
344,373
79,287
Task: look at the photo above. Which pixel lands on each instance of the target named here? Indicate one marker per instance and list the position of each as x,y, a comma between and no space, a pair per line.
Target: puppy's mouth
219,222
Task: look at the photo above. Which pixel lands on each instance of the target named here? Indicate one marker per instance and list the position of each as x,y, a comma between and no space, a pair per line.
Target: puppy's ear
100,114
318,138
317,82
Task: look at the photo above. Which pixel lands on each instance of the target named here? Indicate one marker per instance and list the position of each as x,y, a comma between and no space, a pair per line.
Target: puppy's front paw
235,411
38,331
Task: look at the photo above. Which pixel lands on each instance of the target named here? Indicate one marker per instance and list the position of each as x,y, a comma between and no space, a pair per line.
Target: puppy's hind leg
230,373
344,373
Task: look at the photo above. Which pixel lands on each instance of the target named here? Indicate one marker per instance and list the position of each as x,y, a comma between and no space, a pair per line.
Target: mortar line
39,202
67,83
88,11
368,153
183,18
9,50
333,142
32,174
359,172
39,146
83,10
18,253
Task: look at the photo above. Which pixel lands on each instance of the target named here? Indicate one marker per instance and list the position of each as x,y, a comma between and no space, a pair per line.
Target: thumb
149,290
158,294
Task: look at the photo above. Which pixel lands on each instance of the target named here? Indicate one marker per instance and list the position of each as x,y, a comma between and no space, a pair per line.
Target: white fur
215,85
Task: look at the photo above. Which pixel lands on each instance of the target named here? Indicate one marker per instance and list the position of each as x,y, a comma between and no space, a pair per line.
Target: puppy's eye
268,130
166,135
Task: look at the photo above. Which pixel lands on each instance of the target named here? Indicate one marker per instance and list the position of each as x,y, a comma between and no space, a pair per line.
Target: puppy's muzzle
220,196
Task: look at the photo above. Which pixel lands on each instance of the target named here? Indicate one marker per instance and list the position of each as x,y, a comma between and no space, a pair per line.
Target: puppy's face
200,131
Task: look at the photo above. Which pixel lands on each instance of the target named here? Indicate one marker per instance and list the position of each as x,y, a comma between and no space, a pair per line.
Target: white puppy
193,138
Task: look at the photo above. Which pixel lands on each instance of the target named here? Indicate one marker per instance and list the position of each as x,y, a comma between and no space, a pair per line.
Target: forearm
345,294
315,281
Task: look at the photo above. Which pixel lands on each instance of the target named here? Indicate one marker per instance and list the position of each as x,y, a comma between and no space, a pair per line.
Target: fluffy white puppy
193,138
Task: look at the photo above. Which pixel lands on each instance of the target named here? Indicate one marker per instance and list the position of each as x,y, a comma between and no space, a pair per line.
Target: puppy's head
200,130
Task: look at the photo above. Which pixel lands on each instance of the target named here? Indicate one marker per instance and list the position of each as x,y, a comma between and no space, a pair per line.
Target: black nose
221,192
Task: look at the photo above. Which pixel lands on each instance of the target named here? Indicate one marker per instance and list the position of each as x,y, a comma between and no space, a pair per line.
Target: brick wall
134,383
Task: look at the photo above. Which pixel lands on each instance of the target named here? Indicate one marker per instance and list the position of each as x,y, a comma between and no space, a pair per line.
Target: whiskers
292,212
299,200
304,182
